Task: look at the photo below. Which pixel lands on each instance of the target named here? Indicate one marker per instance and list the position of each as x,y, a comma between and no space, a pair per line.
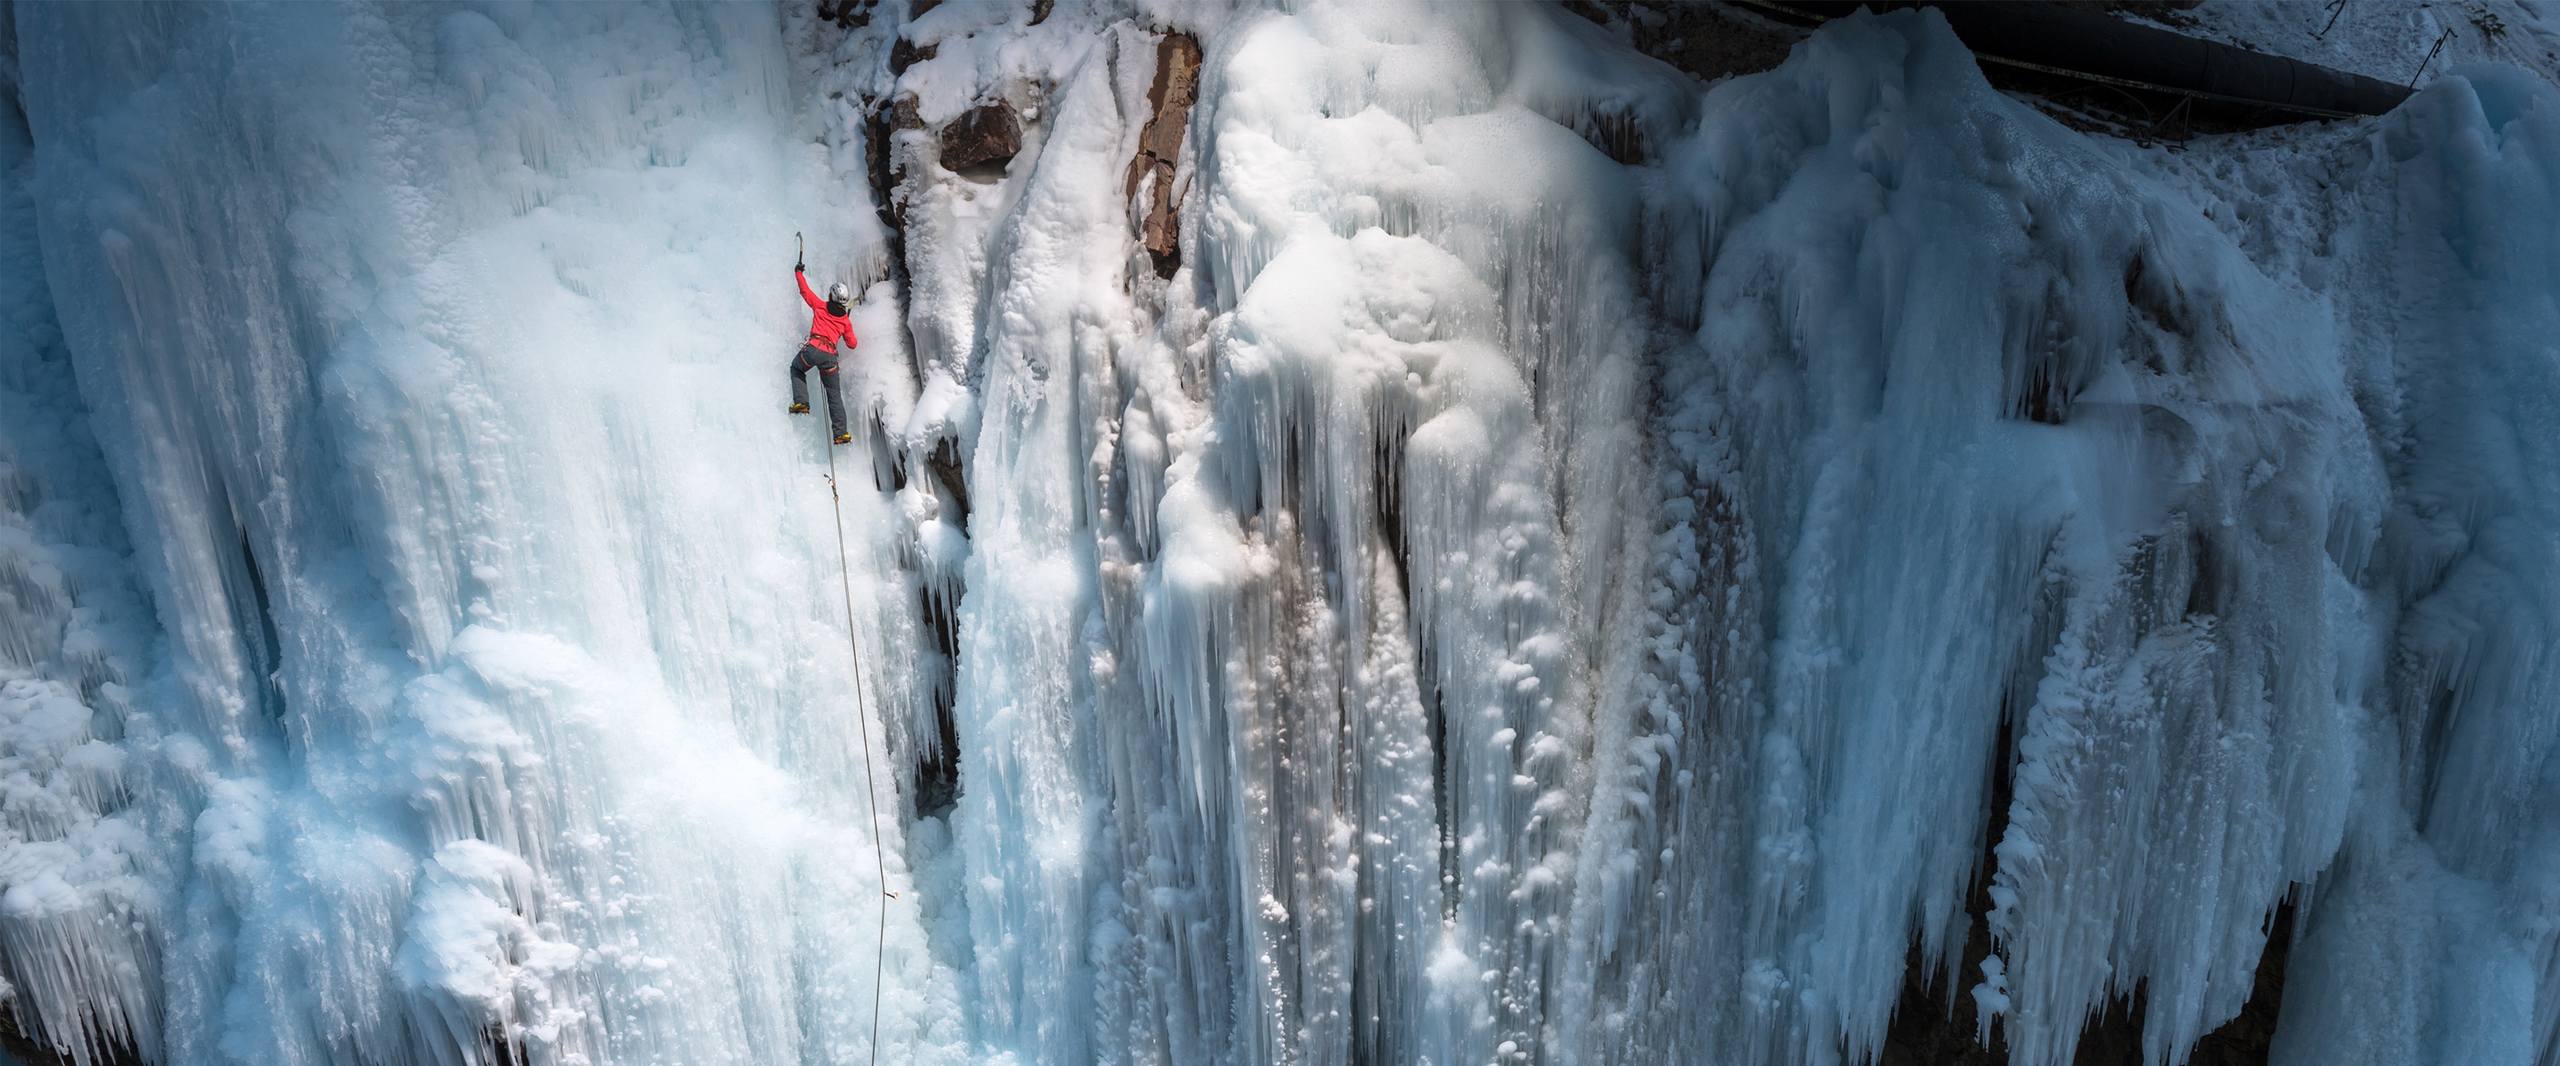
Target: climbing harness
870,789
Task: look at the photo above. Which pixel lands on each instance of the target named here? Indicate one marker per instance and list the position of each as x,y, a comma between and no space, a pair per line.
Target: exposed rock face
1176,88
850,14
984,136
1707,41
904,53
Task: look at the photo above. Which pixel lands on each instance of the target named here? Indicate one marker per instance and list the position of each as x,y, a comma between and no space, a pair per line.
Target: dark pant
824,362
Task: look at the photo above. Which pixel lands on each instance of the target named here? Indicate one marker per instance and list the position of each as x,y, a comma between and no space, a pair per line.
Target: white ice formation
1562,563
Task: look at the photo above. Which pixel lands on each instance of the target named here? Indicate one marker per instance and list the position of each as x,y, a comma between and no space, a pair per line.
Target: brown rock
1176,88
984,136
903,53
850,14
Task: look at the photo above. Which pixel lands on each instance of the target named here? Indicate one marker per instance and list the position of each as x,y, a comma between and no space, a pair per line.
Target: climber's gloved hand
801,267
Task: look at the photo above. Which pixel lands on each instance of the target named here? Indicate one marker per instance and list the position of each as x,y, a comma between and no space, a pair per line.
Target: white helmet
838,293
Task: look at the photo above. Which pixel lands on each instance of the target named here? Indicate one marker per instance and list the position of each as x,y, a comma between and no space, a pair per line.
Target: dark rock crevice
1935,1022
1707,41
945,464
265,643
850,14
880,130
2248,1038
898,148
496,1049
17,1044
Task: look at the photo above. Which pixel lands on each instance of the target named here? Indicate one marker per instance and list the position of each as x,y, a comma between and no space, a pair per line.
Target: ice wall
504,711
1618,572
2037,571
83,823
1573,566
2444,887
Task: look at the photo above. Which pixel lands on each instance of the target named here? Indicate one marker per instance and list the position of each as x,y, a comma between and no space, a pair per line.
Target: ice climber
830,321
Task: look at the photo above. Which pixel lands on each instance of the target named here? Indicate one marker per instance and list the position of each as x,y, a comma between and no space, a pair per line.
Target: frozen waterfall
1379,532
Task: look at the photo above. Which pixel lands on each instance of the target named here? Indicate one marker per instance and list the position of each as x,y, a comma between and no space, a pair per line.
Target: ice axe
800,252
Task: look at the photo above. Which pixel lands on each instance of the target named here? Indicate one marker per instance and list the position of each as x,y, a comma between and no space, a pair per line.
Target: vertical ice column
1904,281
86,820
1029,827
2435,942
1440,416
436,352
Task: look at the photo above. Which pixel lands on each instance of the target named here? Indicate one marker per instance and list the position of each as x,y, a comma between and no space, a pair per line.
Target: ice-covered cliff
1376,533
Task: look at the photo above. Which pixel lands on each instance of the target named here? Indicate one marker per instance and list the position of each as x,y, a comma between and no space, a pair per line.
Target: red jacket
824,326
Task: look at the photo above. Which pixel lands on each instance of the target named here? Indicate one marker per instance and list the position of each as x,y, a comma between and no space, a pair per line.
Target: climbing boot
844,438
799,408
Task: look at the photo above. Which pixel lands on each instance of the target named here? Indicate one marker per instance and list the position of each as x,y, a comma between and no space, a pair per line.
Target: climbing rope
870,788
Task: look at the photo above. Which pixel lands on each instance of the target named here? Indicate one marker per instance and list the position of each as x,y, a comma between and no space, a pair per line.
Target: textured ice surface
503,680
1578,566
